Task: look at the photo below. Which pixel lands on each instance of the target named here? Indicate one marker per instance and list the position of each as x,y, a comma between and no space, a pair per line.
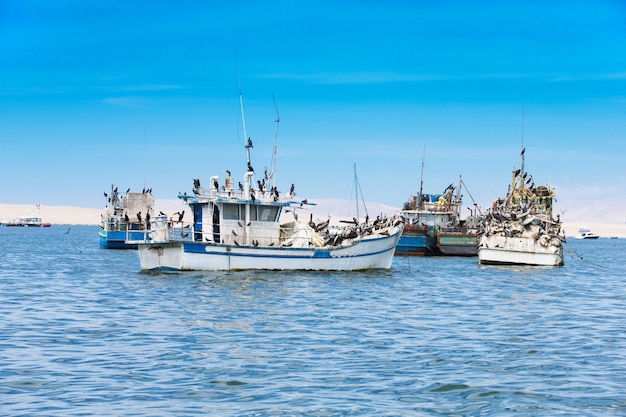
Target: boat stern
161,257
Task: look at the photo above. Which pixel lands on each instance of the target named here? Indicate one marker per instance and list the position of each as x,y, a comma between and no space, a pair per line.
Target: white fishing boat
242,228
239,230
585,233
520,229
28,221
34,220
125,213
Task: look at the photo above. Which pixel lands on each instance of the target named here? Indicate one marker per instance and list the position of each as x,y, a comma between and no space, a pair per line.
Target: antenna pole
243,116
145,154
421,204
273,173
356,191
522,155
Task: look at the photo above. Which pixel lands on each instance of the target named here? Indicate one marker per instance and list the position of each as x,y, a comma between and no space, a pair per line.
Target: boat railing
158,230
163,230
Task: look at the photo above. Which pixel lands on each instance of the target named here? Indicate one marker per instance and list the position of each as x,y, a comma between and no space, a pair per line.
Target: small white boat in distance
34,220
585,233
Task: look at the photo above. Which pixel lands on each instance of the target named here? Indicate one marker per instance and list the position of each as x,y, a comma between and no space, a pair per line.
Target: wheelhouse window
267,213
230,212
257,212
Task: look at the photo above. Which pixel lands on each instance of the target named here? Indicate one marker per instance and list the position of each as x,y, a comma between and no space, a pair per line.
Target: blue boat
423,216
433,226
125,218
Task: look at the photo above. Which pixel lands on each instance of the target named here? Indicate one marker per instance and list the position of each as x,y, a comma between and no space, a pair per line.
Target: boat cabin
432,210
236,221
245,218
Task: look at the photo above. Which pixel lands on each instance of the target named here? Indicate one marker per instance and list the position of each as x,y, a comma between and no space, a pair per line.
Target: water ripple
82,332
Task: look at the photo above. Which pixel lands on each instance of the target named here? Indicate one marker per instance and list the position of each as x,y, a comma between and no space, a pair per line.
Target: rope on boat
571,252
579,256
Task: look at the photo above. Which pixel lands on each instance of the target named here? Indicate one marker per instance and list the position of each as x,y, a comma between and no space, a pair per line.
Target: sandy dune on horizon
65,215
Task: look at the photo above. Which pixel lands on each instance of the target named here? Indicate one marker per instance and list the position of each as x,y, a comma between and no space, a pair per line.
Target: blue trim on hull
317,254
117,239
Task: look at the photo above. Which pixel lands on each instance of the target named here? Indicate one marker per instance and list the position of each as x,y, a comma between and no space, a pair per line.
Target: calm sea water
84,333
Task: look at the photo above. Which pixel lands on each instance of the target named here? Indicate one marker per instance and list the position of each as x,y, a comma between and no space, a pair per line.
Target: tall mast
421,200
356,191
243,116
523,149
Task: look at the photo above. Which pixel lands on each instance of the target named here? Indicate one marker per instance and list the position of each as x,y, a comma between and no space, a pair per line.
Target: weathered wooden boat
461,240
433,225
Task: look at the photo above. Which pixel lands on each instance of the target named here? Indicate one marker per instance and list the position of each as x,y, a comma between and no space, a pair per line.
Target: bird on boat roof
139,216
240,186
216,185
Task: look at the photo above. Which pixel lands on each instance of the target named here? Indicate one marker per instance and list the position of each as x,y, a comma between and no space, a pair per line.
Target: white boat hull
504,250
370,252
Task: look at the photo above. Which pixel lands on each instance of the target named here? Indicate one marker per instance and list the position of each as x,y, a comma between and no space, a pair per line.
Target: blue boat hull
417,245
117,239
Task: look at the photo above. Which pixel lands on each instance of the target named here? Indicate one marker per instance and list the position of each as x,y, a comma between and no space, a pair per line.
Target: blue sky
144,93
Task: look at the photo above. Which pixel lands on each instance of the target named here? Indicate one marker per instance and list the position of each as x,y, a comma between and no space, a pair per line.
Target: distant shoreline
67,216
